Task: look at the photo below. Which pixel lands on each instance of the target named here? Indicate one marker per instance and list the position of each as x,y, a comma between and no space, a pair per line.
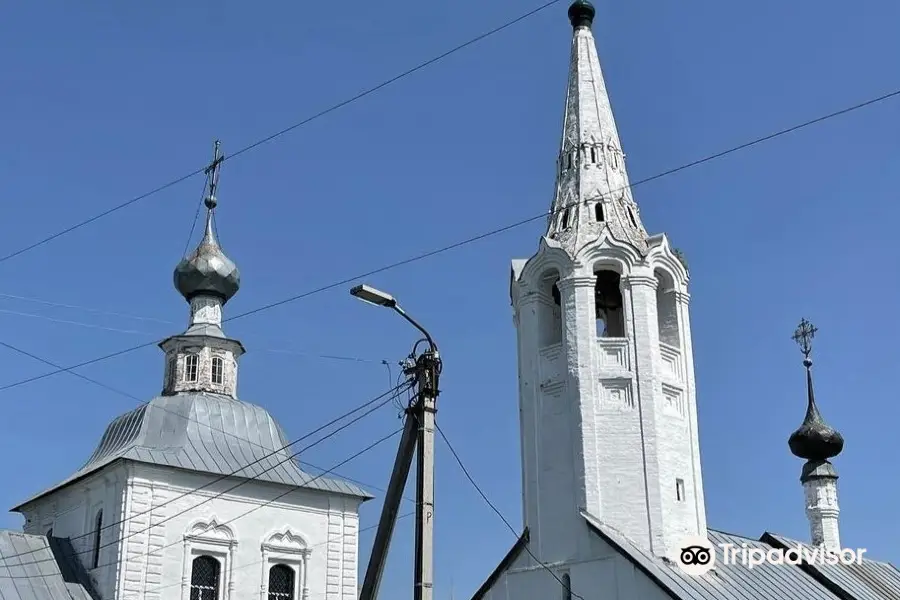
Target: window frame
290,549
212,539
217,364
188,358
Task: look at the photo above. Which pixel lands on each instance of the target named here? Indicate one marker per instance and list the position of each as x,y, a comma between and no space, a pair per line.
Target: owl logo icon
694,555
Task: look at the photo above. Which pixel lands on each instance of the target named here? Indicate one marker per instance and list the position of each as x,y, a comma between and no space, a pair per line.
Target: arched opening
608,304
550,310
667,310
98,528
281,583
598,212
205,571
565,218
567,586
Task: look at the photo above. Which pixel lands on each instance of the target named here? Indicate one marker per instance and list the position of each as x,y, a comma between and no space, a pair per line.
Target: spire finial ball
581,14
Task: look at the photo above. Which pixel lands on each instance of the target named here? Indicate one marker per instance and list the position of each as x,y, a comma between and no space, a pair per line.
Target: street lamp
418,431
378,298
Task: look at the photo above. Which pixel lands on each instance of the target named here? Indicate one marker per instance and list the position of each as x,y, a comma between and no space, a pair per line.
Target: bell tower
606,376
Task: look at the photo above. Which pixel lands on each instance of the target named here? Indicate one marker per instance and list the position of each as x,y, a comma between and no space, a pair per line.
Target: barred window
205,578
281,583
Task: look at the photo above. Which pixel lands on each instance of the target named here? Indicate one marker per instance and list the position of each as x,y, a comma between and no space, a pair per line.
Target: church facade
195,495
612,483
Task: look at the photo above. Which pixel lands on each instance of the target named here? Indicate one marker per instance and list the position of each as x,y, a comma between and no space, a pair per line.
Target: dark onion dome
814,440
207,271
581,13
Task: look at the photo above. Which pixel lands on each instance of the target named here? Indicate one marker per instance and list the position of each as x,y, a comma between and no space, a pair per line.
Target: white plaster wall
71,512
157,563
604,575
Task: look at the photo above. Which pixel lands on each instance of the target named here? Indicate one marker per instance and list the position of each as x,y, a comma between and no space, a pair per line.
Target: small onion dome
207,271
581,13
814,440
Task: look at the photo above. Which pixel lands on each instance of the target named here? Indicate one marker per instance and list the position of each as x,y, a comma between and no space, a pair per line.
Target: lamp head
373,296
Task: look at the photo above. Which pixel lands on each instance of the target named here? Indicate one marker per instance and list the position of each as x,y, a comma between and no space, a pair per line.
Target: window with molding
285,559
208,550
218,370
191,367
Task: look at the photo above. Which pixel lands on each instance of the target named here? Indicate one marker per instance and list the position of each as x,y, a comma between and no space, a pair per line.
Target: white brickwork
822,510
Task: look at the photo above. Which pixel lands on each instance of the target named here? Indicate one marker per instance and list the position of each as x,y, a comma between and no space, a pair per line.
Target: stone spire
817,442
202,359
592,188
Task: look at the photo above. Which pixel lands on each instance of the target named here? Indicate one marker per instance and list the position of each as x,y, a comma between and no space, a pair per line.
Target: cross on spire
212,172
804,335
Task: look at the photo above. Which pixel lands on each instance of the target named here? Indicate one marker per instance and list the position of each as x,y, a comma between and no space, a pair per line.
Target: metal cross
804,335
212,171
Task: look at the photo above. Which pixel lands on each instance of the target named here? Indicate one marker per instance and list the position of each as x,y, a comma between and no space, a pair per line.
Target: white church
194,495
611,477
176,503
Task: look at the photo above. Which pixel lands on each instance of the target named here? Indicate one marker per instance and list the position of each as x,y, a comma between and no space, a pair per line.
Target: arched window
205,578
567,586
281,583
98,528
191,367
218,370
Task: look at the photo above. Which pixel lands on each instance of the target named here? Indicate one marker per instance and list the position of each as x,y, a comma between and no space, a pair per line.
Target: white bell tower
606,376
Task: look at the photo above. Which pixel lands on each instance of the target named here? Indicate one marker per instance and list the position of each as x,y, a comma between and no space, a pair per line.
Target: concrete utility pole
418,430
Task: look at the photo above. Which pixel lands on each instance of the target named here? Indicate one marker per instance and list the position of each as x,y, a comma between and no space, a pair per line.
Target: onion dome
581,13
814,440
207,271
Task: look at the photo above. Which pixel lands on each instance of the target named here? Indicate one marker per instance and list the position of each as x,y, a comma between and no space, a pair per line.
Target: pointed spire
814,440
592,189
208,271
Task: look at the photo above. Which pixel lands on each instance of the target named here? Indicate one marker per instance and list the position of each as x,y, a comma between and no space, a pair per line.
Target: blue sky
102,102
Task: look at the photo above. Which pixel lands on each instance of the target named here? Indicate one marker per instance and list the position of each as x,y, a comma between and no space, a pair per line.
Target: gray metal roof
739,582
49,569
870,580
209,433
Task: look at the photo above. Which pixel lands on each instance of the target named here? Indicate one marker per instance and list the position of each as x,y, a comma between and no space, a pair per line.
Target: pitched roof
207,433
737,581
50,570
868,580
871,580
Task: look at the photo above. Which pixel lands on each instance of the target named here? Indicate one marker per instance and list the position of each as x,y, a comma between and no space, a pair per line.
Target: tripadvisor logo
697,555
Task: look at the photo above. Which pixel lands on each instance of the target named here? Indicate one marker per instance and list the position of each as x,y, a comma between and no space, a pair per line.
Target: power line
240,516
236,473
284,131
146,402
500,514
147,333
484,235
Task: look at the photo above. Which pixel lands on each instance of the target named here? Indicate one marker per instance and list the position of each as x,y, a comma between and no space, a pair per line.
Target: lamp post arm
414,323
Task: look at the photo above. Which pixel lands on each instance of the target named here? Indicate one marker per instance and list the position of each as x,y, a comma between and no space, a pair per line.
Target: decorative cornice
682,297
577,282
640,280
